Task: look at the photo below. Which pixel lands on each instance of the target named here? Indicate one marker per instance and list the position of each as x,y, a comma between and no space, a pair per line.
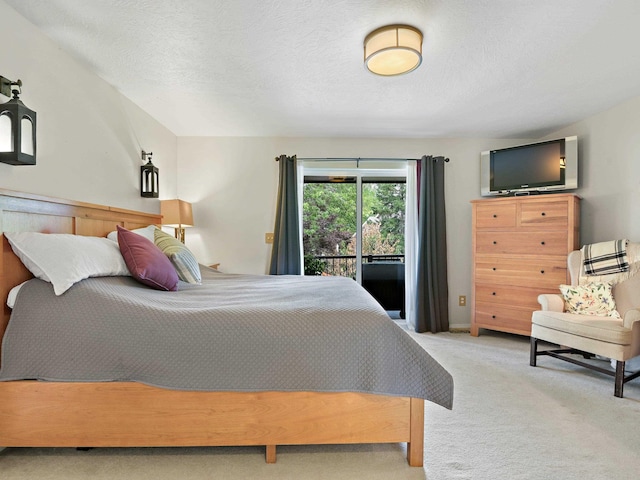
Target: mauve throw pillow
146,262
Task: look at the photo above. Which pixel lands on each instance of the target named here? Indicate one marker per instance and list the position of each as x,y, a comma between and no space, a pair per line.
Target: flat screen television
535,168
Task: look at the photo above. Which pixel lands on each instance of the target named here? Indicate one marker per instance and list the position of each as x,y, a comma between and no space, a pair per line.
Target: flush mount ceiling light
393,50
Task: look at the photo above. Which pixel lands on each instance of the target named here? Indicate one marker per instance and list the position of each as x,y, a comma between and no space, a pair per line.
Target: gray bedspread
233,332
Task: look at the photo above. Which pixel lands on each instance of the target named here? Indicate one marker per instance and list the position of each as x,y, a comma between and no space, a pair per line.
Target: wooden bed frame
127,414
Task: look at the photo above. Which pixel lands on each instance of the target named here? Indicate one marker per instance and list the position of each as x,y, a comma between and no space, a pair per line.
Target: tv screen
541,167
528,166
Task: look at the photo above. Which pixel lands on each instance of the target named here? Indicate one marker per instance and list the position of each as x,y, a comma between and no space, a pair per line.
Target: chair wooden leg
619,379
533,353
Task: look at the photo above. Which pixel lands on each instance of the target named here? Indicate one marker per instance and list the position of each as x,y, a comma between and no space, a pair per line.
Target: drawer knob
541,243
493,316
494,269
543,214
493,293
542,271
495,243
495,216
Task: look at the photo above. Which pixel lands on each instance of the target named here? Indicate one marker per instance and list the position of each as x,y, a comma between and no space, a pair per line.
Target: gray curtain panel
432,292
285,254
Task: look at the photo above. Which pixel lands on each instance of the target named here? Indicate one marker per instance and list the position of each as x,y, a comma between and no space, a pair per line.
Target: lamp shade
393,50
176,213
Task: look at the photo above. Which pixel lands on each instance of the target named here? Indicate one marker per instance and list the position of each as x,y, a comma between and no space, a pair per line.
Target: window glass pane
6,137
383,217
26,127
329,226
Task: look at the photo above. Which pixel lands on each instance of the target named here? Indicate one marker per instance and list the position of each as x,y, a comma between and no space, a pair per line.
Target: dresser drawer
506,319
511,296
495,215
520,272
530,243
545,214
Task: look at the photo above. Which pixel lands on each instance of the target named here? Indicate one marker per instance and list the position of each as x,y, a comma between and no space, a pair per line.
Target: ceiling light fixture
393,50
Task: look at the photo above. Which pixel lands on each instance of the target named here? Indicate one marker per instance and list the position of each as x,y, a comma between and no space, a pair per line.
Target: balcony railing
345,265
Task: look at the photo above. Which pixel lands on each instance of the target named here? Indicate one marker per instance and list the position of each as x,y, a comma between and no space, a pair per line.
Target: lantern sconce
17,127
149,177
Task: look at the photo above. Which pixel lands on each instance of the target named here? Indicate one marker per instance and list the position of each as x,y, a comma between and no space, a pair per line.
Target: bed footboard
122,414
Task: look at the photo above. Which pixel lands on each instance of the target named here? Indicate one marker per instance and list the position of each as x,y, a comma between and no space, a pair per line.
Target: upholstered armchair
589,335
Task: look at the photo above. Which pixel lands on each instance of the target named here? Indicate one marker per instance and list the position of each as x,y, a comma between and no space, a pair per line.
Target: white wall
609,175
232,183
89,137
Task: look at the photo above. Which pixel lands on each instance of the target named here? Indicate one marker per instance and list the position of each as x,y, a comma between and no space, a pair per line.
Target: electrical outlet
462,300
268,238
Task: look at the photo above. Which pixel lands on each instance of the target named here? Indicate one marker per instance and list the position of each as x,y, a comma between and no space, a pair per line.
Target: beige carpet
510,421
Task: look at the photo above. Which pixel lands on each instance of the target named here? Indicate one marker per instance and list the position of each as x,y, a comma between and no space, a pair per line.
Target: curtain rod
351,159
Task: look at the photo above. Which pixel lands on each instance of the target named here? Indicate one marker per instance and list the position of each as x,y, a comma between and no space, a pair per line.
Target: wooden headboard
24,212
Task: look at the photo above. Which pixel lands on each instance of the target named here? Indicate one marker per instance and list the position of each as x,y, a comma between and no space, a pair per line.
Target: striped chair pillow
181,257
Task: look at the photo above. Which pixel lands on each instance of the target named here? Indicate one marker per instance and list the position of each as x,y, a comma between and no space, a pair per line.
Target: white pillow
64,259
146,232
13,294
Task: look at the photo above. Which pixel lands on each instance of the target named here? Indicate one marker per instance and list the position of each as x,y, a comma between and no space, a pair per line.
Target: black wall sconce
149,177
17,127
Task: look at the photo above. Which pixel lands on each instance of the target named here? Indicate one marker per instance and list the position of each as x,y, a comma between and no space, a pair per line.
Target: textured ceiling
491,68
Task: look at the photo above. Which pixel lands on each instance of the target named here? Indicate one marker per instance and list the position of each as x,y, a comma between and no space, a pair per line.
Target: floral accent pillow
590,299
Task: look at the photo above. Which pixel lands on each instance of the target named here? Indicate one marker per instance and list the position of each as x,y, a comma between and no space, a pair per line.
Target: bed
280,398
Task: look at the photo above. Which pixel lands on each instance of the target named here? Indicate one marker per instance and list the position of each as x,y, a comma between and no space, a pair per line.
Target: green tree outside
388,207
329,220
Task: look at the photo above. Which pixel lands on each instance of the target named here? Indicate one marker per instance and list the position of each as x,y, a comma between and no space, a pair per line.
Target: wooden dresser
520,247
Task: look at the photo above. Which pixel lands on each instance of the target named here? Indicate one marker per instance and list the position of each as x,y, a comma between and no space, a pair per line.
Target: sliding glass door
353,226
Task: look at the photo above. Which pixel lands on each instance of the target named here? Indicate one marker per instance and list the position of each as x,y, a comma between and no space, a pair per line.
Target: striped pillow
181,257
